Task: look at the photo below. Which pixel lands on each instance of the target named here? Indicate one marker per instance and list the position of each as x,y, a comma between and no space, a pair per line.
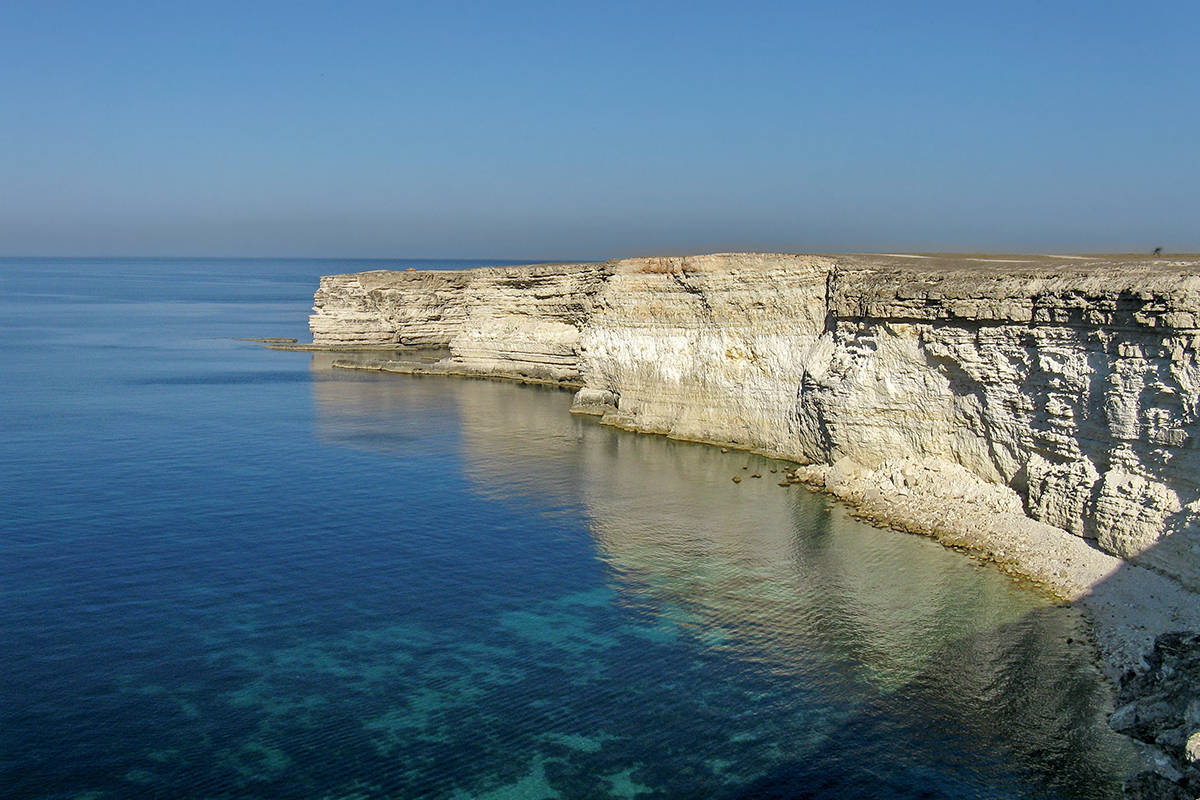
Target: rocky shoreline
1033,411
1140,620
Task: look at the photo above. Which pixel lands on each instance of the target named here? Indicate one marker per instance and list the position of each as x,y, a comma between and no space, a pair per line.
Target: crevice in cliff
831,279
694,291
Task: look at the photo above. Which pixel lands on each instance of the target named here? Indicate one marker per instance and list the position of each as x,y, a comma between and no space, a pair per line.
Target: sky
586,130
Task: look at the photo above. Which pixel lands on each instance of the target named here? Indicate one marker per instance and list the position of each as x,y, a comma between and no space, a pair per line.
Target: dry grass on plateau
666,266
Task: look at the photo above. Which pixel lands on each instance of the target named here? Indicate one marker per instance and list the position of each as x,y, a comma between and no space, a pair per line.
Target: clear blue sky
594,129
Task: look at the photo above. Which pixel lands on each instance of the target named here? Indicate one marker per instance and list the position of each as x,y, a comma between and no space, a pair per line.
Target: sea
228,571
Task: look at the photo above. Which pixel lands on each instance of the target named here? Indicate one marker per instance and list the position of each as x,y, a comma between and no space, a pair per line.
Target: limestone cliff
1072,381
510,322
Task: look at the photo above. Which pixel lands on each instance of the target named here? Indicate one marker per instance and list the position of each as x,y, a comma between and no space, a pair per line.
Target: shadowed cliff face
1074,381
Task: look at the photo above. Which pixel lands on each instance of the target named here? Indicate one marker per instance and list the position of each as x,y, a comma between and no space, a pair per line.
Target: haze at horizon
576,131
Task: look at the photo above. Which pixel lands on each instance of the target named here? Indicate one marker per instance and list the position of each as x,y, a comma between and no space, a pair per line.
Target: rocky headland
1040,411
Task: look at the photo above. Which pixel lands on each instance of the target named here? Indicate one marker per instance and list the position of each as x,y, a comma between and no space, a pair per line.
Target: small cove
234,572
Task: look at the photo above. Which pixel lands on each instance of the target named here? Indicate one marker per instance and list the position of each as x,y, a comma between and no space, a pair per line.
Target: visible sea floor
229,572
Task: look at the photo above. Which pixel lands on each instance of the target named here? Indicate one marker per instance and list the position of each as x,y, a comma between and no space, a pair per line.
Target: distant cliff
1070,384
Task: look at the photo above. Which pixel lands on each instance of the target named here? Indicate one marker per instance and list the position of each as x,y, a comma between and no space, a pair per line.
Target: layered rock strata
1068,386
521,323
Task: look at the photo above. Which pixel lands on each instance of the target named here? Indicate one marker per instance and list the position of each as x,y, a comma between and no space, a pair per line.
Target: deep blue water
227,571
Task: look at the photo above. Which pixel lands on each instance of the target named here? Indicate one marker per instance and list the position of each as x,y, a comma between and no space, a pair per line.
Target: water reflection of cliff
777,577
776,569
377,412
957,654
773,568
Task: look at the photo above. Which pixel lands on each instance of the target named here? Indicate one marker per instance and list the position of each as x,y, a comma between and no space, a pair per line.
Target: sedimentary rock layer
1070,383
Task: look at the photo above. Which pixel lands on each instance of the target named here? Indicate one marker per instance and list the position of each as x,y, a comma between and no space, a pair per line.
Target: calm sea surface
230,572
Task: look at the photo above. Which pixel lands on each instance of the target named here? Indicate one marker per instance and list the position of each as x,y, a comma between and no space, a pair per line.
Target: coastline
1128,605
1075,381
1140,623
1032,411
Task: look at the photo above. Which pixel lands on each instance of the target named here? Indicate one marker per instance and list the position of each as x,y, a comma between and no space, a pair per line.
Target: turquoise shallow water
233,572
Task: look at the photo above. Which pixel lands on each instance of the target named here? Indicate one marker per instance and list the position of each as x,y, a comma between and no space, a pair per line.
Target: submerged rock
1160,706
1148,785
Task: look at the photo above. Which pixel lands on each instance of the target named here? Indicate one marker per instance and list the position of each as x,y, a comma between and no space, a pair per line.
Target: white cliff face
525,322
704,348
519,323
419,309
1072,382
